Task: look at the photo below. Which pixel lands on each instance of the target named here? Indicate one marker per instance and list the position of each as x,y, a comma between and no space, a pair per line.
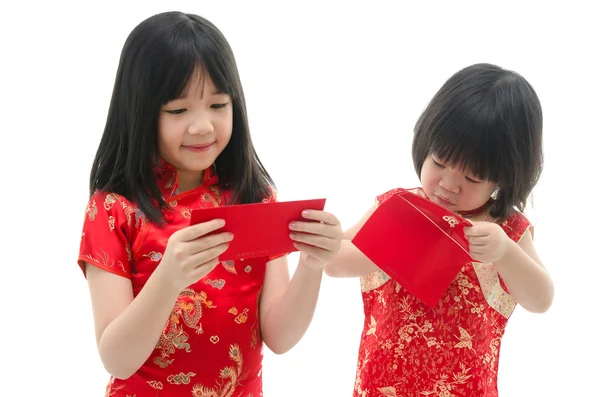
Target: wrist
166,284
310,263
511,246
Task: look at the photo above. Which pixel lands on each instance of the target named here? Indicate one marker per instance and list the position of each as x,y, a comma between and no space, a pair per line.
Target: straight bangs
473,137
193,58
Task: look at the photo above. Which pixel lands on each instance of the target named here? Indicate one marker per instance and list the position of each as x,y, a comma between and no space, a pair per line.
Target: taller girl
170,319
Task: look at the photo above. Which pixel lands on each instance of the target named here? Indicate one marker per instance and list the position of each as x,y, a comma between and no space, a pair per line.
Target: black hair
487,120
159,59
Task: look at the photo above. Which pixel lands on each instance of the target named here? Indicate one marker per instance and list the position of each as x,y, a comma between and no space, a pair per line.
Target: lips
198,148
204,146
444,201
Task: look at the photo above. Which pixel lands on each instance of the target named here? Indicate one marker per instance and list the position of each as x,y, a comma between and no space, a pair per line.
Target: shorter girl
477,149
172,320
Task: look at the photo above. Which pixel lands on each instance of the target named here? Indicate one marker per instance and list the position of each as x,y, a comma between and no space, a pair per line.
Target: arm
525,276
350,261
517,263
127,329
287,307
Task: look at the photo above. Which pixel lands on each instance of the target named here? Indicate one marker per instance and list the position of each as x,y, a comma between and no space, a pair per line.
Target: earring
495,193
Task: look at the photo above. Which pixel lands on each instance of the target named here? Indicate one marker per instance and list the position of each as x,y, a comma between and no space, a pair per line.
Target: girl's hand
318,241
488,243
190,255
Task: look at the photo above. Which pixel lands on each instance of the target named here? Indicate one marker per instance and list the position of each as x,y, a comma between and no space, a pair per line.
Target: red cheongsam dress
211,344
411,350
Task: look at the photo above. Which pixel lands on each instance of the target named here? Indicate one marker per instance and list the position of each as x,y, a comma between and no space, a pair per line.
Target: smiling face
452,187
193,130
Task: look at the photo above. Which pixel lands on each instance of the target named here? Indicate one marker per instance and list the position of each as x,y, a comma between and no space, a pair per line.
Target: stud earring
495,193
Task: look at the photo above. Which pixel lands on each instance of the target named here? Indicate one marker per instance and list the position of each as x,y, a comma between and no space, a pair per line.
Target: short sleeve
105,241
515,227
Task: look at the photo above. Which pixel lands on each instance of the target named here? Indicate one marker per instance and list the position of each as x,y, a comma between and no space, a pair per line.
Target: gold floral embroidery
133,215
229,266
254,341
110,200
248,269
243,316
215,199
181,378
464,287
105,261
373,280
229,379
465,340
156,384
372,327
494,294
154,256
187,311
358,382
218,195
444,388
218,284
186,213
214,339
111,223
91,210
111,390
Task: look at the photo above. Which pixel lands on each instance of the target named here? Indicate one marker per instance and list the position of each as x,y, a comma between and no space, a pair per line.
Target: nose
450,182
201,125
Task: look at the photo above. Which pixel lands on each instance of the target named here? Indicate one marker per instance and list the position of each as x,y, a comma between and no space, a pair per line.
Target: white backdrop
333,92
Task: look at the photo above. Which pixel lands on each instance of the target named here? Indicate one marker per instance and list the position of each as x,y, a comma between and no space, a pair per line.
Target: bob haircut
159,59
488,121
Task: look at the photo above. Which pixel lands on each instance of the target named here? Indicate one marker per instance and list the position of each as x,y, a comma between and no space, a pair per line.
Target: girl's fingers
320,229
325,243
321,216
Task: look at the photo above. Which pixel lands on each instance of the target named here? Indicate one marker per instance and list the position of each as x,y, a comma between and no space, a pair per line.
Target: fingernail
305,213
221,222
293,236
293,225
230,236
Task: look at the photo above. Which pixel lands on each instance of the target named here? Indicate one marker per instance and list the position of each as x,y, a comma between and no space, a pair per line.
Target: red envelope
417,243
260,229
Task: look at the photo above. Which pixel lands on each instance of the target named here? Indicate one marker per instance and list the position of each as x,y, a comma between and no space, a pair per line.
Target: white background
333,92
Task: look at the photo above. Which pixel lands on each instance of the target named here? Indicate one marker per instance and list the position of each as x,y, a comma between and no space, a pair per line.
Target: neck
189,180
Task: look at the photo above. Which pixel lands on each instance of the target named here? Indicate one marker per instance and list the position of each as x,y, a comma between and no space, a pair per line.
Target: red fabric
211,343
450,350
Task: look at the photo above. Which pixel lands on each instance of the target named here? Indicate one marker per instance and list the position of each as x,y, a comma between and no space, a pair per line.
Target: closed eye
176,111
440,165
219,105
473,180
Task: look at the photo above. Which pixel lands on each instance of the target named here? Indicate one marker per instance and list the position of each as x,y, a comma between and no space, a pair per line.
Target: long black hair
160,57
487,120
